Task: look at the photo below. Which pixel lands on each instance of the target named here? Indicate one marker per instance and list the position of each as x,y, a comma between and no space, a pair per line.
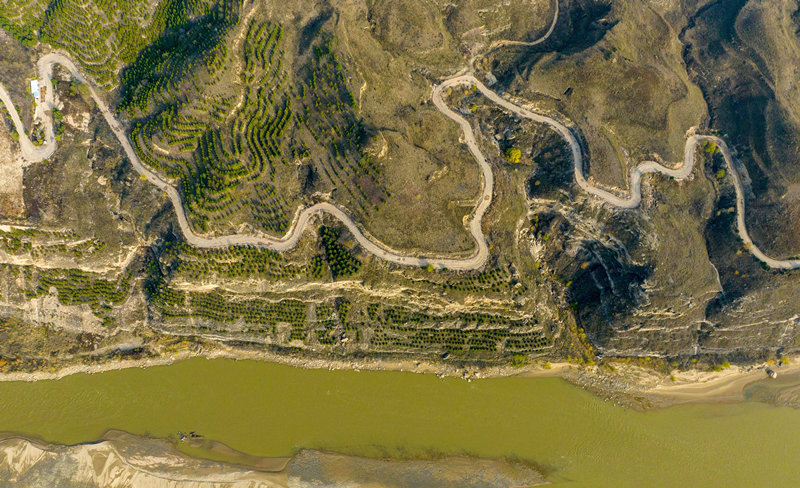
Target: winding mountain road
35,153
680,172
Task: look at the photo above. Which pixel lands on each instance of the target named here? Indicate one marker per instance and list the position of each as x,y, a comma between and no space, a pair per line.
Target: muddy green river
272,410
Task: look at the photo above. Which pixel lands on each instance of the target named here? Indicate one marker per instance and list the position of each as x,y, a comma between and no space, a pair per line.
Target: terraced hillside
254,110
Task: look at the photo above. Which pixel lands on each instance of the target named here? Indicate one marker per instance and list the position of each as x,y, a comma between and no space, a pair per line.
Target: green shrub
513,155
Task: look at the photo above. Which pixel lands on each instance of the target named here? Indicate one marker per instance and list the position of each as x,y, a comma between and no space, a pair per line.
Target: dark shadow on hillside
743,107
165,62
310,31
604,285
580,27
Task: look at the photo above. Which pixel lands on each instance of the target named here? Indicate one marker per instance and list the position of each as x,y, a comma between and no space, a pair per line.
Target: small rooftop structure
35,90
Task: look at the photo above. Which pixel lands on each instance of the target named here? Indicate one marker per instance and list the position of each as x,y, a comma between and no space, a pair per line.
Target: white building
35,90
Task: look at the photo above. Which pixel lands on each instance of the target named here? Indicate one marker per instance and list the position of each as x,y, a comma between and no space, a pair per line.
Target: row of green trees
341,262
163,64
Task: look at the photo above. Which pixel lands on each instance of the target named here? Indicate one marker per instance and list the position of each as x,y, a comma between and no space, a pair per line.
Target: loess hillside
254,109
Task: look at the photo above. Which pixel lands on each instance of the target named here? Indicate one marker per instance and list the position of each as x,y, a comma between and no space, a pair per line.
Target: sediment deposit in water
124,460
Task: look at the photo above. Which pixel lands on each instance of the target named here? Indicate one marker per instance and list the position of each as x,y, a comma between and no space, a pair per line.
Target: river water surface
267,409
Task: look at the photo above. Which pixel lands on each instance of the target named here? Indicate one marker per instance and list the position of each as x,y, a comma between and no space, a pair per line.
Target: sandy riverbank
724,386
644,389
121,460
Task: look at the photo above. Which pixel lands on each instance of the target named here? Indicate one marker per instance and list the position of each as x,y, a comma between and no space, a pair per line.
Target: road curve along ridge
34,153
302,219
